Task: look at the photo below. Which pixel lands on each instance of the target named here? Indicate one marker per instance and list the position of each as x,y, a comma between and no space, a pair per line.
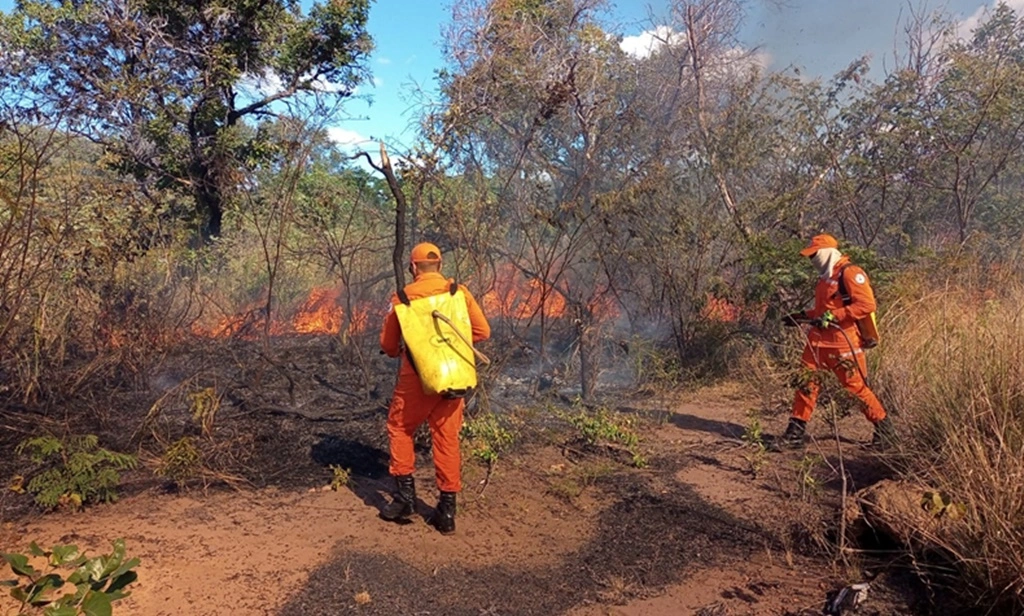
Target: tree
167,86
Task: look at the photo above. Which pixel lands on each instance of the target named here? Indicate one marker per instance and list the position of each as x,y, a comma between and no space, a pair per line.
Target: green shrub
181,462
77,470
97,582
603,426
489,434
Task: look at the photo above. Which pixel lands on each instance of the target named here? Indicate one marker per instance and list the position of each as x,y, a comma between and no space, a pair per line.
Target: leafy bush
604,427
181,462
488,435
78,470
98,581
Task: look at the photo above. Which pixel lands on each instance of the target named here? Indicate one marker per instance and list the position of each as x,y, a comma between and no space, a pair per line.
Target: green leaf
35,550
9,583
119,582
63,610
125,566
932,503
19,564
89,571
114,559
63,554
97,604
42,586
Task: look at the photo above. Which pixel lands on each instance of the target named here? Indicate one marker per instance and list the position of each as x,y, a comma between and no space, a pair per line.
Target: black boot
793,437
444,516
885,435
404,503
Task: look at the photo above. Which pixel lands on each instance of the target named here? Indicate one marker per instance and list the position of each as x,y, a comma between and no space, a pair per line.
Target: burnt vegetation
194,274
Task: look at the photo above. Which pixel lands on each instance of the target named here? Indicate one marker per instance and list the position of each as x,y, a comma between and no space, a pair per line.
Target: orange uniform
829,349
410,406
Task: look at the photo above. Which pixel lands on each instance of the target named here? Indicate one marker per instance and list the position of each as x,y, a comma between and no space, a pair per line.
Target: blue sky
820,36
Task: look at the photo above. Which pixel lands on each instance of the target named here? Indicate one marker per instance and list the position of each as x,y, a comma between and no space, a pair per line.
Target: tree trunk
588,354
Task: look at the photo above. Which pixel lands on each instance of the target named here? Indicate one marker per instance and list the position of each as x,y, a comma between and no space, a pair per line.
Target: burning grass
952,366
322,312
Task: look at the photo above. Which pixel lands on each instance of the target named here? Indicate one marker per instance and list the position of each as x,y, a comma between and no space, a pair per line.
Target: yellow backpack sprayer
438,339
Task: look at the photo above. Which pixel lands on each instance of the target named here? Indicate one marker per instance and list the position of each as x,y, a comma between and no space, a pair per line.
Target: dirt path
695,533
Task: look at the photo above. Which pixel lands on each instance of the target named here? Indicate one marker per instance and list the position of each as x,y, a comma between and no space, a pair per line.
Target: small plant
603,426
805,467
753,436
488,435
204,405
181,462
565,488
653,366
939,505
79,470
97,582
340,477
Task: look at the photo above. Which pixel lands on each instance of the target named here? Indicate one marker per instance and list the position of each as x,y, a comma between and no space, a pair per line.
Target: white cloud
322,85
967,26
346,138
736,60
383,60
264,85
647,42
377,82
268,84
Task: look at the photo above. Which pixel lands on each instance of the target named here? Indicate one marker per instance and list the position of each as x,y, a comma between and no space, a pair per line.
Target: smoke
823,38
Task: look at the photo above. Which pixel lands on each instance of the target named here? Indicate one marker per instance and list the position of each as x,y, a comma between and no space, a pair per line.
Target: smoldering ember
695,308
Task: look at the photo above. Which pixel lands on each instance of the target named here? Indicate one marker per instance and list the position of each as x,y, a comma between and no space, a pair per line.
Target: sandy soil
694,533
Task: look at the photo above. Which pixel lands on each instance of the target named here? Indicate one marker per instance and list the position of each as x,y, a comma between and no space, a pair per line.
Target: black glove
793,319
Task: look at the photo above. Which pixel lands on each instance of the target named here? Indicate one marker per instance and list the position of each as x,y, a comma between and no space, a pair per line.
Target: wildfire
514,296
724,311
719,309
320,313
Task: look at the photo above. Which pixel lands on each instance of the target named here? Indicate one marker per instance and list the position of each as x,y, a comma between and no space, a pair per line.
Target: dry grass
952,366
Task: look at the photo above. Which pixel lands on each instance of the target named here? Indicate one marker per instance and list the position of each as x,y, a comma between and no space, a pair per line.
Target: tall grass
952,367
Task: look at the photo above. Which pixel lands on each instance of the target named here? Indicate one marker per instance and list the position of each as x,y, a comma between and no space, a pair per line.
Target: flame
604,307
719,309
722,310
514,296
320,313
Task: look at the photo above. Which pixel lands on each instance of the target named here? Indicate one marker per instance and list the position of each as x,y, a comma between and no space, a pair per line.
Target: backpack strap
403,297
844,294
454,287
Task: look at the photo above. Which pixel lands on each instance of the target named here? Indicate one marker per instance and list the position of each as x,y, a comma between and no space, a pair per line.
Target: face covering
825,261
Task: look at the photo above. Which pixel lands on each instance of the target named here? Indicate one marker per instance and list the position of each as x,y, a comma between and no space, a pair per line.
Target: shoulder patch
860,279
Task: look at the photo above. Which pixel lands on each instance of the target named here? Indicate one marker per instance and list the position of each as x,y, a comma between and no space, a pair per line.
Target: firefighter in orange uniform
842,297
410,406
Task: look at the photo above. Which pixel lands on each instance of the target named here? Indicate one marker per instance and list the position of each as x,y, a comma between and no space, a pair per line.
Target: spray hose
483,358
